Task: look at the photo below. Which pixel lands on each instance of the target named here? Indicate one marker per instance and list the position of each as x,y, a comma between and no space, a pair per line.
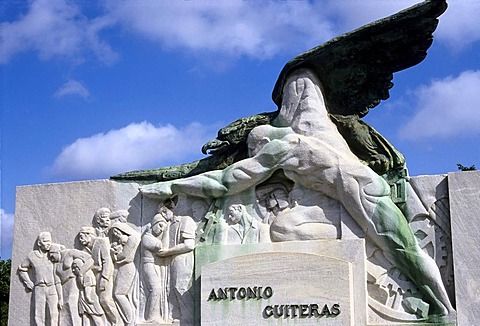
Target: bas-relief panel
114,272
118,272
393,296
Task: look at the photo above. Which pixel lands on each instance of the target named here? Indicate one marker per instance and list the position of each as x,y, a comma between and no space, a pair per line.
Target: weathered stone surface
310,274
78,253
61,209
464,192
303,147
392,298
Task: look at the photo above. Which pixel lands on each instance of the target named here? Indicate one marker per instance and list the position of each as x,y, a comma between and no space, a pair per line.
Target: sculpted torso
306,145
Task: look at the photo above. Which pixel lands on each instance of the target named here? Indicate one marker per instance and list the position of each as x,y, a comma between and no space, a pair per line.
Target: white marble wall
63,209
464,193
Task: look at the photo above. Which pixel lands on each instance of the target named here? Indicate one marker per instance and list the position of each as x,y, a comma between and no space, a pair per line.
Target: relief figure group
99,282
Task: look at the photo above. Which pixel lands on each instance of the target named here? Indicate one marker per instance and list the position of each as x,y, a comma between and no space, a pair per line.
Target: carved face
159,228
122,237
54,256
85,238
255,146
103,219
116,232
258,138
234,215
45,242
167,214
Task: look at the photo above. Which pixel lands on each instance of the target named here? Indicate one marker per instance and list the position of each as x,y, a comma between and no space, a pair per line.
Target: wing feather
356,69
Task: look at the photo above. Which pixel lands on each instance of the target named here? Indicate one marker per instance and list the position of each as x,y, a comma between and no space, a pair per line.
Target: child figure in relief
88,304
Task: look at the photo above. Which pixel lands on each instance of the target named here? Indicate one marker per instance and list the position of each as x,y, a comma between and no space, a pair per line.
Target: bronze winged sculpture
356,70
317,140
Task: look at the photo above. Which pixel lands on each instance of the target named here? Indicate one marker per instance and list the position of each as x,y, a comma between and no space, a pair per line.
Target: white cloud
356,13
262,29
258,29
72,87
136,146
446,108
55,28
460,26
6,229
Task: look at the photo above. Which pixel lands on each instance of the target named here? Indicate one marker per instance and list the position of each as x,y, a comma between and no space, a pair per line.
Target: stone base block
295,283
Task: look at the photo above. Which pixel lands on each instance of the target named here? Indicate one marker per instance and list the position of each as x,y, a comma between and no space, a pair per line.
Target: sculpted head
44,241
102,217
118,216
258,138
86,235
158,224
166,213
122,231
119,234
55,252
235,214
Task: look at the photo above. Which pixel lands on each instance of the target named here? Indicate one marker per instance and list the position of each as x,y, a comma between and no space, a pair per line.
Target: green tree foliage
466,168
5,267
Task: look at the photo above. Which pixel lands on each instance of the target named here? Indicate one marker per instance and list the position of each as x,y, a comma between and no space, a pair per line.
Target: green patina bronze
356,71
229,147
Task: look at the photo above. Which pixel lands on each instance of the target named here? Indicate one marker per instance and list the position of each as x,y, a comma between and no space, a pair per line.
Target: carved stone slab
61,209
290,269
465,212
295,283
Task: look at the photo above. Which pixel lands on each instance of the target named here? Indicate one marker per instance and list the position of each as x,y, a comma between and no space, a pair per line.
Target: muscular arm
252,171
182,248
232,180
23,273
58,288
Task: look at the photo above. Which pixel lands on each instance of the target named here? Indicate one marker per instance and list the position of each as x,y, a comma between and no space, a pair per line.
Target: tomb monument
305,215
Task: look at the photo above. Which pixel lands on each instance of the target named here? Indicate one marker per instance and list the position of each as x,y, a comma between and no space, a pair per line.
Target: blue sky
93,88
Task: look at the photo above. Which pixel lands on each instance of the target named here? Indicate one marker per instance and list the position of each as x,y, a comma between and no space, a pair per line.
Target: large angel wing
356,69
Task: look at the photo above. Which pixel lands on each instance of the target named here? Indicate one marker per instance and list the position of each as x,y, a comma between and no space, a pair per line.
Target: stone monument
301,216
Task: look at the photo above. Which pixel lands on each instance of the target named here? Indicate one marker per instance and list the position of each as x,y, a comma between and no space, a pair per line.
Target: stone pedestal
297,283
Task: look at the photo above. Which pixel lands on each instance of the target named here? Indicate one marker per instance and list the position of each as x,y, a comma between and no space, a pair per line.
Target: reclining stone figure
307,146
